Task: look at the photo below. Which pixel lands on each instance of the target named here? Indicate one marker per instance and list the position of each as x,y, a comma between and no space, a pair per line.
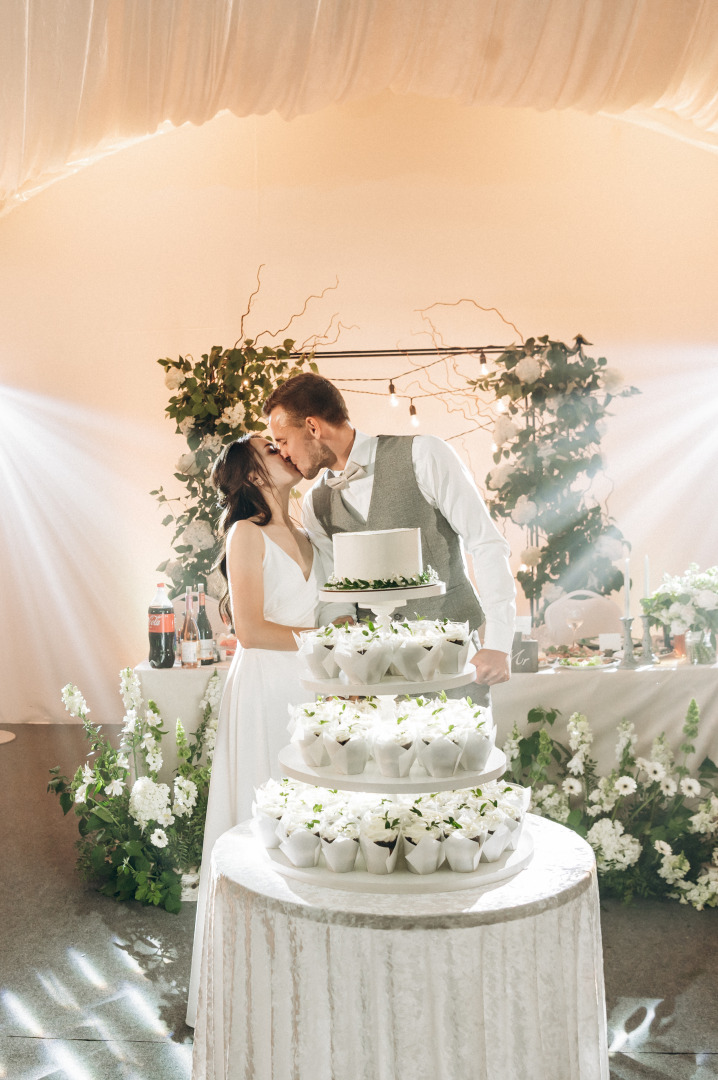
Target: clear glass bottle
189,645
204,626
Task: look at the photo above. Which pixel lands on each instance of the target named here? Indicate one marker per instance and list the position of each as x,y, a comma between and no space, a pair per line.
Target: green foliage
652,823
554,398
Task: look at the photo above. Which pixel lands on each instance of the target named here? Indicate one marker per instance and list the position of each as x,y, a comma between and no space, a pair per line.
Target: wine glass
574,621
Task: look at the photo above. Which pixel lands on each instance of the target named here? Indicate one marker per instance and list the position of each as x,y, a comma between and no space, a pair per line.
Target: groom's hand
491,666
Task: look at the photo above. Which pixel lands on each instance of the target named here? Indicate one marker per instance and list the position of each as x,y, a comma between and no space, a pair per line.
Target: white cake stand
418,781
382,601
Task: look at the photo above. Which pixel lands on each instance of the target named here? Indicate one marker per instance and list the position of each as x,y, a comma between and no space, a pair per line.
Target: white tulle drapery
79,78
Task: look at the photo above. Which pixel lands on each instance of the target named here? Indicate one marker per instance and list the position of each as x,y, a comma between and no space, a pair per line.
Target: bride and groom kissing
274,571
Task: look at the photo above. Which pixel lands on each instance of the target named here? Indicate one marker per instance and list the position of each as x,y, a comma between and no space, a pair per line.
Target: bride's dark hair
235,476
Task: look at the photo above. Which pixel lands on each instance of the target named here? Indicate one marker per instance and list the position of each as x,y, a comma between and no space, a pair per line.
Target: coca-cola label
189,652
162,624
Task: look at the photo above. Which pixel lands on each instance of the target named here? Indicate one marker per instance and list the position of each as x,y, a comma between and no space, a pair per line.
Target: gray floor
95,990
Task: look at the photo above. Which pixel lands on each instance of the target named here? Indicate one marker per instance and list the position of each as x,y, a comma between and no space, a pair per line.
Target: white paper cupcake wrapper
476,750
496,843
425,857
369,667
340,855
302,848
393,759
415,662
378,859
349,759
265,828
463,855
452,658
440,757
313,750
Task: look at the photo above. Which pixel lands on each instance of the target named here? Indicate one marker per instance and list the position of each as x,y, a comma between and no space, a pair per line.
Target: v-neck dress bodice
253,718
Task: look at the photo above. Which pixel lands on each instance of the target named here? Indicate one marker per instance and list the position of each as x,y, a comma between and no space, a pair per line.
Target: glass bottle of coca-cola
161,629
189,643
206,637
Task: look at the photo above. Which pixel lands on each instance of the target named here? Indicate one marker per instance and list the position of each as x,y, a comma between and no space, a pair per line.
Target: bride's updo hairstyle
238,476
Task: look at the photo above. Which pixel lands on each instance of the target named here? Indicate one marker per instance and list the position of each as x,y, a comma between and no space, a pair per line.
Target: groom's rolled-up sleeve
446,483
326,612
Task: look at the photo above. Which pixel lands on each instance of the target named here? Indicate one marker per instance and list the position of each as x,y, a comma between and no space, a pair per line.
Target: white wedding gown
253,719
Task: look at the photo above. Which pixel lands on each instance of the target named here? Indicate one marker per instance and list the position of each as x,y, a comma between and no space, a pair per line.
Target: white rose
705,599
498,476
174,378
504,431
212,443
187,465
609,547
186,425
531,556
525,510
528,369
233,415
551,592
611,379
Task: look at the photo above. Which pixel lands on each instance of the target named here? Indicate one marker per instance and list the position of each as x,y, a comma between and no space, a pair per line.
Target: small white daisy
655,770
159,838
690,788
668,786
572,786
625,785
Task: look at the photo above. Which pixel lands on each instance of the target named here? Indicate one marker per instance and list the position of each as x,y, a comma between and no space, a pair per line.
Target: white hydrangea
198,535
215,584
148,800
73,701
186,425
609,547
233,415
212,443
673,868
528,369
187,465
531,556
615,849
174,377
705,599
549,802
504,430
525,511
552,592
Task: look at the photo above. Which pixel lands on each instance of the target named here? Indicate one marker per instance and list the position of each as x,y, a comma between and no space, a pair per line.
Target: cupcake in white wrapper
348,750
379,841
455,647
363,662
478,744
265,828
423,845
496,843
301,845
340,843
394,750
439,753
268,808
463,852
308,735
316,654
416,658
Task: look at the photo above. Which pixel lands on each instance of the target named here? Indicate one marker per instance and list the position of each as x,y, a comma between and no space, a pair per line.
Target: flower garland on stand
552,401
652,825
139,837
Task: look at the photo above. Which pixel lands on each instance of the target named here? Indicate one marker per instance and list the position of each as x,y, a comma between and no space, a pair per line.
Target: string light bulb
483,366
501,405
494,447
245,382
523,568
393,399
413,418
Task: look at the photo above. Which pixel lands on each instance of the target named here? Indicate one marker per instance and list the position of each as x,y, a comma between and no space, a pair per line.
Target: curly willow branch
298,314
249,304
468,300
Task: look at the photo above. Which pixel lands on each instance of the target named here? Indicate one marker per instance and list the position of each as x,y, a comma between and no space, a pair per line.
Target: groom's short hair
308,395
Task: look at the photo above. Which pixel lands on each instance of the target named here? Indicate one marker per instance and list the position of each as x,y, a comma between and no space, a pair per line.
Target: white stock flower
130,690
661,751
187,465
148,742
690,788
576,765
668,787
626,739
174,378
662,847
159,838
525,511
673,868
580,736
511,746
115,787
625,785
571,786
154,761
233,415
73,701
528,369
185,796
504,430
165,818
81,794
88,774
123,762
531,556
130,722
198,535
186,425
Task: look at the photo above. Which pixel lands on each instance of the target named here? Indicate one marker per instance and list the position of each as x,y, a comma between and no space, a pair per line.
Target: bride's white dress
253,718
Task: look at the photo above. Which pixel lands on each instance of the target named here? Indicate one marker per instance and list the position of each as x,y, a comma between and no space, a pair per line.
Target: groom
399,481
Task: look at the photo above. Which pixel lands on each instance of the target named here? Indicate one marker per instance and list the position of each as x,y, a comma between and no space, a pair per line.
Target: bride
273,579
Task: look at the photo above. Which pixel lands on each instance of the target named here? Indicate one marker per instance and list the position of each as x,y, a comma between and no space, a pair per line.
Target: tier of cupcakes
314,826
364,653
446,736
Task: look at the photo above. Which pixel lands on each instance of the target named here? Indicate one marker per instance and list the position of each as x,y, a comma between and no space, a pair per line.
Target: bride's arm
245,551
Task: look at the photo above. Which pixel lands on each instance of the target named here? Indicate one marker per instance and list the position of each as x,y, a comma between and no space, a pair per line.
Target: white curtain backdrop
81,78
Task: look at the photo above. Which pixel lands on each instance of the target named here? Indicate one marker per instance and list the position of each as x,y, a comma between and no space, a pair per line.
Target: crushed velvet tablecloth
307,983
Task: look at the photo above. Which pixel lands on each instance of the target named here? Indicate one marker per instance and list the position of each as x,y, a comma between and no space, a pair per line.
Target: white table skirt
656,699
308,983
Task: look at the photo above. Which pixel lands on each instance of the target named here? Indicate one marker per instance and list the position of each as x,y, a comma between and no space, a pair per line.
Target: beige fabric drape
79,78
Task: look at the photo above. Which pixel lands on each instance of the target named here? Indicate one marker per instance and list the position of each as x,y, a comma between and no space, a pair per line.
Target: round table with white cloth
313,983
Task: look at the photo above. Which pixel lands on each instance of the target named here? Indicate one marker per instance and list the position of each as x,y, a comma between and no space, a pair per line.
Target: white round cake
386,555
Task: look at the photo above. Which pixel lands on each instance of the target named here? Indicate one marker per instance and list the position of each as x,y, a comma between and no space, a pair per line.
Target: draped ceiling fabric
80,78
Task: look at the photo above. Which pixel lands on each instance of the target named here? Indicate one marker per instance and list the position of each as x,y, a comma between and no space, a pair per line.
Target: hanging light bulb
494,447
501,405
245,382
393,399
413,418
483,366
523,568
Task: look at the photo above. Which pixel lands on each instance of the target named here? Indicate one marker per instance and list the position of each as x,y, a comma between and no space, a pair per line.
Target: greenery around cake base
427,577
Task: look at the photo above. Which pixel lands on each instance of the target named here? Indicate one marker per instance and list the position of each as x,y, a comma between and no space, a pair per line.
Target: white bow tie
343,479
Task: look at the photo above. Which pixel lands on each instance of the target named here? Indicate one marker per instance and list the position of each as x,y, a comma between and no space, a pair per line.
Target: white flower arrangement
138,833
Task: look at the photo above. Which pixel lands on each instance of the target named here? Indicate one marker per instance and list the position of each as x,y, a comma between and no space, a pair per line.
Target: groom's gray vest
397,503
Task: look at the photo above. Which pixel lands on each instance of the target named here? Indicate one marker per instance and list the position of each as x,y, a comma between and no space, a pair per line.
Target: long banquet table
319,983
654,698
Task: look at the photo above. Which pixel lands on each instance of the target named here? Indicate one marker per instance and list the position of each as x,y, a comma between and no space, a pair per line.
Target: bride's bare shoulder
245,536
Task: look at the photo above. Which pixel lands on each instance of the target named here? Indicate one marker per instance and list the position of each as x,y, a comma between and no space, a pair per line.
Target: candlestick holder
647,654
629,660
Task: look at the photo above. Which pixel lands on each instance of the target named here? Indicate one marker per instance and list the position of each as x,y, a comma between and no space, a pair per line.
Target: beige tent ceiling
79,78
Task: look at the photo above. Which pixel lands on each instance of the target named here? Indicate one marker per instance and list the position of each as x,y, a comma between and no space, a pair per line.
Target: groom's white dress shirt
448,486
